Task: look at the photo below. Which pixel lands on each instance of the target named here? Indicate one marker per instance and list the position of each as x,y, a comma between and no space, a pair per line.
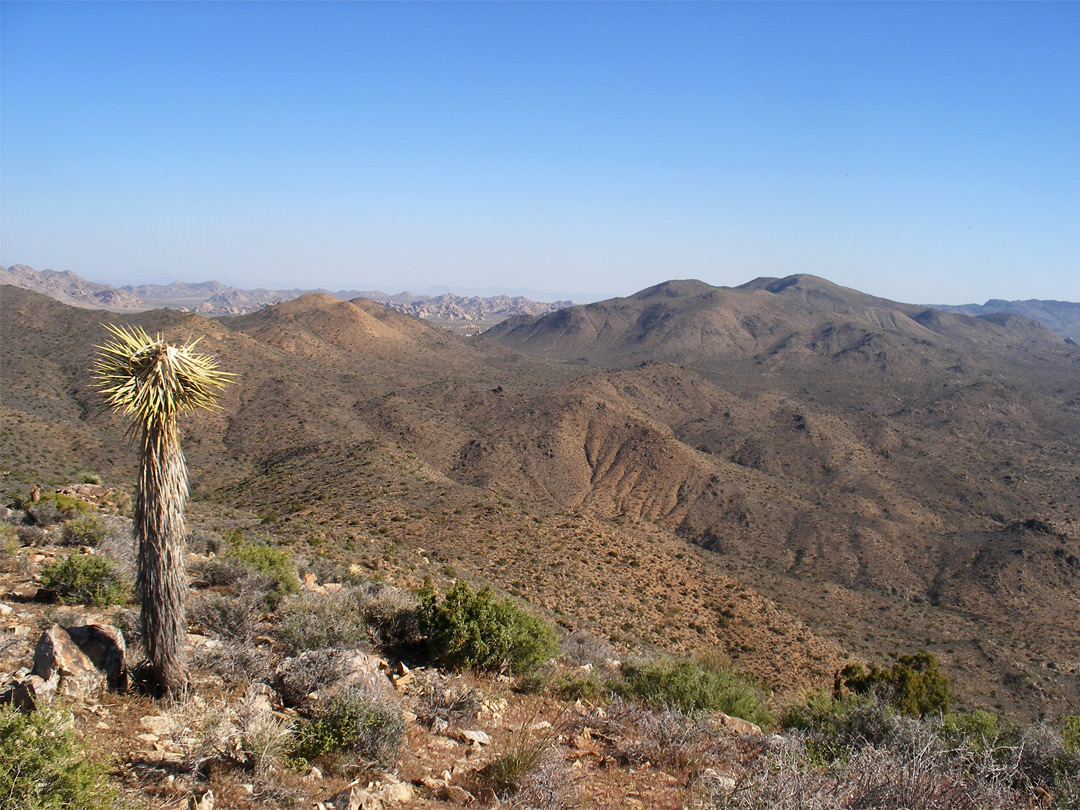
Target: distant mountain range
1062,317
214,298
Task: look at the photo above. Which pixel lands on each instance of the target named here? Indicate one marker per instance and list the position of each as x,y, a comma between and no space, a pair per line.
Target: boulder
92,493
57,653
733,725
104,646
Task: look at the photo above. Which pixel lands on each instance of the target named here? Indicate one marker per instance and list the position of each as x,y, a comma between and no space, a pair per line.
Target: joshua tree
153,382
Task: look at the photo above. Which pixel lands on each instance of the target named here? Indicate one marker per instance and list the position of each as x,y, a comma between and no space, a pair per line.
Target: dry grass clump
529,773
682,743
245,734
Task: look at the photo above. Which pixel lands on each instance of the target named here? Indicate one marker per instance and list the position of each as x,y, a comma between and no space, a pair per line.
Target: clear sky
925,152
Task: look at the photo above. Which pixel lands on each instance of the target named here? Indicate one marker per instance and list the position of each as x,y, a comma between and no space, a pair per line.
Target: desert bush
582,648
391,617
242,734
978,729
353,724
581,685
475,629
9,546
444,696
1070,732
918,772
528,773
267,561
913,685
320,621
91,478
1038,756
298,677
55,507
232,617
86,579
33,536
834,727
701,684
44,767
681,742
84,530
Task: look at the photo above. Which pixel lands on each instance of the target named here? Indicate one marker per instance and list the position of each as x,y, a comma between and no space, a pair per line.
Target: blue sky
925,152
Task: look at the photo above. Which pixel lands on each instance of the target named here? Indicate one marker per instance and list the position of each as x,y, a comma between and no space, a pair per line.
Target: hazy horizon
919,152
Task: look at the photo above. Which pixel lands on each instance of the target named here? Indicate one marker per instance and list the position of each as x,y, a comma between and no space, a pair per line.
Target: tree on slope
152,382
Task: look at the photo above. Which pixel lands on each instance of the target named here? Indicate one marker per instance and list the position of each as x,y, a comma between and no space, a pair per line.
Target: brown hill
856,492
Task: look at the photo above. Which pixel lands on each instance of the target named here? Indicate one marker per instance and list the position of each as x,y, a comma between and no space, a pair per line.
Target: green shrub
978,729
91,478
475,629
353,724
836,727
9,544
702,684
44,767
54,507
1070,732
270,562
913,686
84,530
85,579
581,686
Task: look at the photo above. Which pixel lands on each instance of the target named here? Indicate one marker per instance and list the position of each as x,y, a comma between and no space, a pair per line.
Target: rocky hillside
788,472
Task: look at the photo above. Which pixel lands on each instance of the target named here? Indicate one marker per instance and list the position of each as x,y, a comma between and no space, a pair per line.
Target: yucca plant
152,382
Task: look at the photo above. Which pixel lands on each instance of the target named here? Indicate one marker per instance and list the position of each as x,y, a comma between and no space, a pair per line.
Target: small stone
314,773
158,724
407,716
102,725
150,738
456,793
439,725
397,792
478,737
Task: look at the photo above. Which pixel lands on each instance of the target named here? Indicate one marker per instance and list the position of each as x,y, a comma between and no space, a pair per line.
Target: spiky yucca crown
152,380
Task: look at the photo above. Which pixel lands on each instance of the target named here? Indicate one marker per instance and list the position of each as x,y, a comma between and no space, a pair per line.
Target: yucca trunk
152,382
159,532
